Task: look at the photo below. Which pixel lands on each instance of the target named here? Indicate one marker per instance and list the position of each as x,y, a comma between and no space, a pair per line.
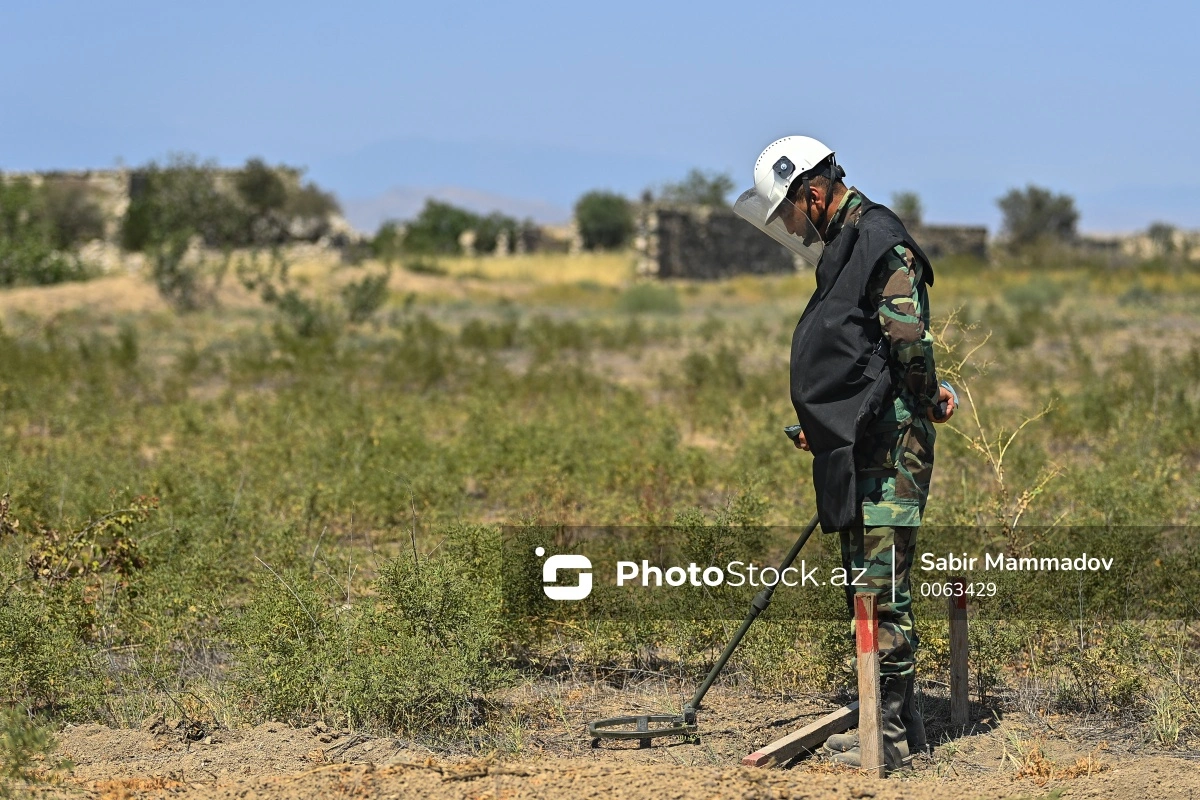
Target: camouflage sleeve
897,290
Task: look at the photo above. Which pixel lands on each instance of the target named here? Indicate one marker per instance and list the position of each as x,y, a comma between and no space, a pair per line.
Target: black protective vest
839,374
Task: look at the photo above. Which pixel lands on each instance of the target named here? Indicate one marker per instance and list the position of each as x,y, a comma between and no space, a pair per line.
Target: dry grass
1031,762
604,269
116,293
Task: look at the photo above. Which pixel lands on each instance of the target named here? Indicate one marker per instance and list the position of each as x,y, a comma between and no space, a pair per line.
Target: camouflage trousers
870,549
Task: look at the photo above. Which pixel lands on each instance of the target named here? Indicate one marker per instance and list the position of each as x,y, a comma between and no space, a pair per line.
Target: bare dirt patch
1014,757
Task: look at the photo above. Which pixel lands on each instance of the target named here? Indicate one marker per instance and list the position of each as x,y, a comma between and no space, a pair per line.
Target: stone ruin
705,243
942,241
113,189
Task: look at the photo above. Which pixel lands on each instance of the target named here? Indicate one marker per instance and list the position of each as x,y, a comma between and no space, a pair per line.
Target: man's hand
801,441
945,396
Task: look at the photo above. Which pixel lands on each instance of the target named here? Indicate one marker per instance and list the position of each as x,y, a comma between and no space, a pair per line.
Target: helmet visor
784,223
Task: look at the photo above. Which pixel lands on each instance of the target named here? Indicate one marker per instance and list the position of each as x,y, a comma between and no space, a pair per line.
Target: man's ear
815,195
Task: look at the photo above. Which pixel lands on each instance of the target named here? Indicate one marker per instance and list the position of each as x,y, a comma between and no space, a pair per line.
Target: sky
525,106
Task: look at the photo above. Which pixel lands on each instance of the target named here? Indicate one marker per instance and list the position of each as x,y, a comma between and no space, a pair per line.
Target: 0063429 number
955,589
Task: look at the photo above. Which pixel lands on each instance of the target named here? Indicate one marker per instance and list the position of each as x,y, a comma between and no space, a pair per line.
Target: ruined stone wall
704,243
707,243
112,189
1182,245
940,241
108,188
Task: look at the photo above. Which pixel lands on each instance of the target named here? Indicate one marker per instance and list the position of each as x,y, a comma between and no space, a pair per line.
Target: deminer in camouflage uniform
866,393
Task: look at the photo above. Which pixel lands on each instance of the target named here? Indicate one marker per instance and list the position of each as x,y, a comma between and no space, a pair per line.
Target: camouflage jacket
894,458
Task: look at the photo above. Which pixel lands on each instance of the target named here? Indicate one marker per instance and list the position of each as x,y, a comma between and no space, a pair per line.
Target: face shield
788,225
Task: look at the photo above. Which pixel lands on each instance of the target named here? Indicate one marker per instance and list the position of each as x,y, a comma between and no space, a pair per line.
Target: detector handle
757,606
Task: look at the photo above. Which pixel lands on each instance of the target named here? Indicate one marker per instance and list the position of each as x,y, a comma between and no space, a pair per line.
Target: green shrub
46,659
420,657
700,188
480,335
185,283
605,220
386,244
26,747
288,642
31,262
1104,676
437,229
437,644
260,187
424,266
1033,214
174,202
908,208
548,337
30,236
1138,295
255,206
310,201
651,298
1036,297
488,230
307,318
365,296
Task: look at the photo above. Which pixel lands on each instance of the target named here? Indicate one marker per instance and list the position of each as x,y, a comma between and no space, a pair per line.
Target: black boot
914,726
895,737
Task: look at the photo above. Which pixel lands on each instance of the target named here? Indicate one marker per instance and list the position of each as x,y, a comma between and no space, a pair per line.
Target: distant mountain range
390,179
404,202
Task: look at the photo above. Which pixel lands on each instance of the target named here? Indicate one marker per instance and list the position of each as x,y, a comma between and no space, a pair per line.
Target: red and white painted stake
870,719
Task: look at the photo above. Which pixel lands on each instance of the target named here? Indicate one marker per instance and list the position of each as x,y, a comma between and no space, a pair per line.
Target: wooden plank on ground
807,739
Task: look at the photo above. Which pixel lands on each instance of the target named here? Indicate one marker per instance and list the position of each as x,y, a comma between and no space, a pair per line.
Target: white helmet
780,164
784,161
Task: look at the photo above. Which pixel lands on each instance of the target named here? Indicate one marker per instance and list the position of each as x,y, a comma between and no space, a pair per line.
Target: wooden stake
870,710
960,713
807,739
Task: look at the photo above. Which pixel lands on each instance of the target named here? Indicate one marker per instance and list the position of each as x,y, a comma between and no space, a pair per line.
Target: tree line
1031,216
44,223
604,219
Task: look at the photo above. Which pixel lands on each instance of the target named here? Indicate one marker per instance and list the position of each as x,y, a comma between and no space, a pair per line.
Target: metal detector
639,726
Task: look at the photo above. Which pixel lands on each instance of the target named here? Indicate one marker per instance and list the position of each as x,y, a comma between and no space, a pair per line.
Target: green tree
186,198
261,187
908,208
387,242
489,228
181,199
437,228
310,201
700,188
1162,236
28,238
1033,214
605,220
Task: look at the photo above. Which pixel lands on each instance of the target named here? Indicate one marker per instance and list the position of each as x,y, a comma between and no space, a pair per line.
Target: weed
182,276
421,655
649,298
25,752
364,297
1165,724
424,266
1031,762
